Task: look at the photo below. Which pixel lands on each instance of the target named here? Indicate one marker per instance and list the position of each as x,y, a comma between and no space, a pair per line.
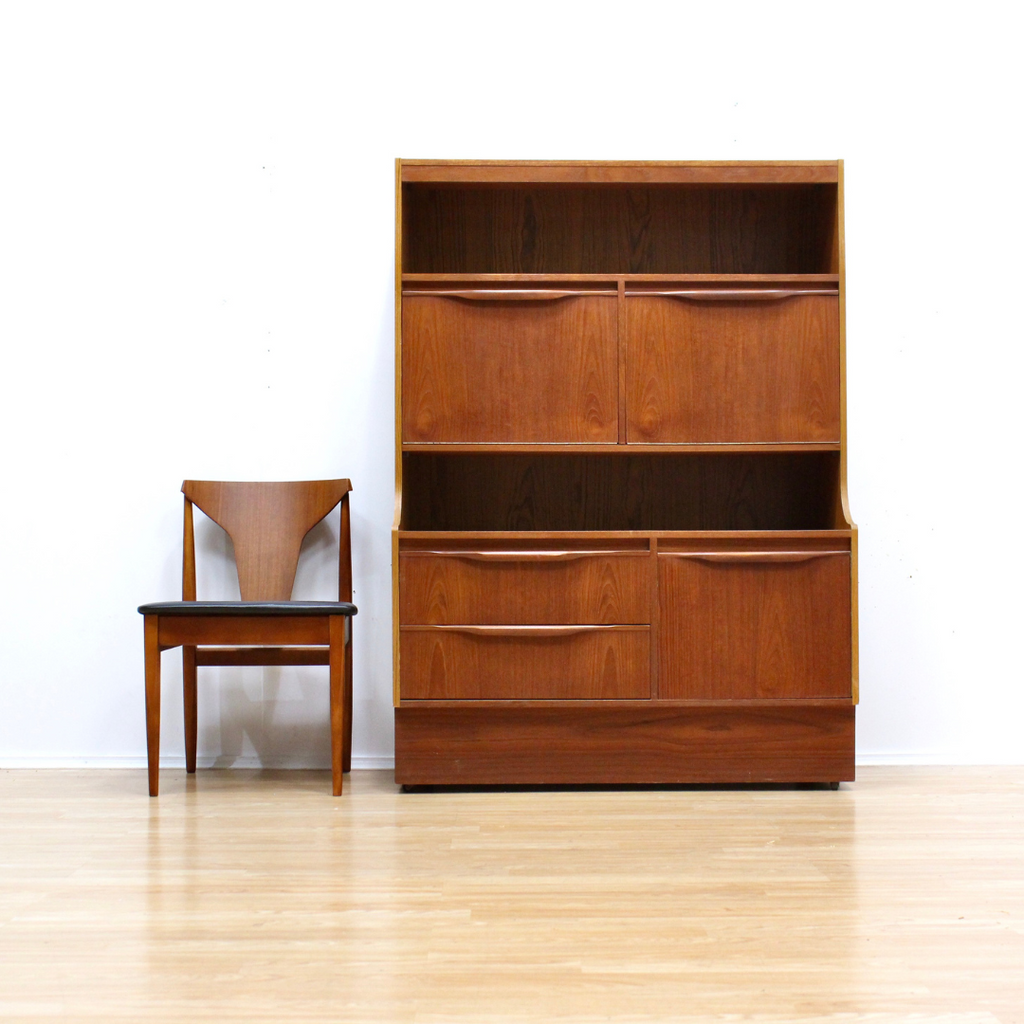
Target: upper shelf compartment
619,219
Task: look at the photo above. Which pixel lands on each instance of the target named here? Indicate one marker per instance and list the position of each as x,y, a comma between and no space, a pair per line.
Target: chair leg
337,663
347,760
188,673
152,648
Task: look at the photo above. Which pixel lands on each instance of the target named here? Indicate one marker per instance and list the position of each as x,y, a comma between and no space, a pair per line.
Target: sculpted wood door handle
733,294
505,294
754,556
537,632
523,556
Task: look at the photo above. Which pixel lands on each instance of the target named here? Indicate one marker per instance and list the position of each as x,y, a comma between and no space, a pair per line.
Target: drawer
528,587
717,365
508,365
525,662
754,624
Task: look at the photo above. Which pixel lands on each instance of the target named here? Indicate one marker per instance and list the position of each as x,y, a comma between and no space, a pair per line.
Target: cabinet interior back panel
652,229
619,492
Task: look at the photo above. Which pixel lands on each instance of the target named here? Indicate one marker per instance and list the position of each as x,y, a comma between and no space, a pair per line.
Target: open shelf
650,492
570,228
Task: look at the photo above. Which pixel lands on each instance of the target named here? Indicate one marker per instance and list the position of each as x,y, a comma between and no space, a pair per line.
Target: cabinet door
478,366
703,368
749,624
543,587
525,662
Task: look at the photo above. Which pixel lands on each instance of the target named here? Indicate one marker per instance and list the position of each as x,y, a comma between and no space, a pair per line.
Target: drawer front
748,624
751,370
510,371
525,663
525,587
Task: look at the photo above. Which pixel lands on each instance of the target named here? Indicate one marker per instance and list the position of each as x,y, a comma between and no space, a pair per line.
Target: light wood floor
248,896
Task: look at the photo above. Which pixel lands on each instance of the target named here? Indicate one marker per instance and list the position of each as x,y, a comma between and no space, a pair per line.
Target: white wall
196,280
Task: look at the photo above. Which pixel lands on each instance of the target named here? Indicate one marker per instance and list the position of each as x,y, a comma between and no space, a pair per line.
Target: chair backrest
266,523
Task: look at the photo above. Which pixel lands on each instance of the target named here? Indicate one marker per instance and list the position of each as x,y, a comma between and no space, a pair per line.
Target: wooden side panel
510,371
581,663
746,371
525,588
754,628
567,745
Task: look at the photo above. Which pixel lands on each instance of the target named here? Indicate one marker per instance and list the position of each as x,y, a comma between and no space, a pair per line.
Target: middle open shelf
613,492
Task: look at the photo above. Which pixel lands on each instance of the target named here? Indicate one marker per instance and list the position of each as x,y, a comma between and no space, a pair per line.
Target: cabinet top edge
587,535
620,171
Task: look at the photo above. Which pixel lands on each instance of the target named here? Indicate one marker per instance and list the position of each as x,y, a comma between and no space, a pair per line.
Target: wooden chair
266,522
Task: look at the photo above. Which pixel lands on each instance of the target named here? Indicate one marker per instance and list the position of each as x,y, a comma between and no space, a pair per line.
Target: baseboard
374,763
936,760
364,762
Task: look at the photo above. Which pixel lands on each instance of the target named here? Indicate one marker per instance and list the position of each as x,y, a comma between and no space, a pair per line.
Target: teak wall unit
623,551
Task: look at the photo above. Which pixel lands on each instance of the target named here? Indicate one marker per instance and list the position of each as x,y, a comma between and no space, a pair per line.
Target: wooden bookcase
622,547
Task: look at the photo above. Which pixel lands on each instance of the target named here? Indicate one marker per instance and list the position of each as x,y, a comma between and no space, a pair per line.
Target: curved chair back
266,523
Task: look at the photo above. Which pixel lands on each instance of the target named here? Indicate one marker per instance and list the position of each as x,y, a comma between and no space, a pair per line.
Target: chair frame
273,629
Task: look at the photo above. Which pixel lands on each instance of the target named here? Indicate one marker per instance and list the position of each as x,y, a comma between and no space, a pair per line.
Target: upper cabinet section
510,365
619,219
728,364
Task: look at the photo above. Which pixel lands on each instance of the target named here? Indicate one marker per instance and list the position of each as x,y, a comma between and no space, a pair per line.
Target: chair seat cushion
248,608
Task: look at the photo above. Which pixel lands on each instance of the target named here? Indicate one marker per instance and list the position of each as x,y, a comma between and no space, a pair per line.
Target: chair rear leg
188,673
347,760
337,663
152,649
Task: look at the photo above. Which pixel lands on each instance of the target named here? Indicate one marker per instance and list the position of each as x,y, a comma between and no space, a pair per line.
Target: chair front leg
188,674
152,651
337,663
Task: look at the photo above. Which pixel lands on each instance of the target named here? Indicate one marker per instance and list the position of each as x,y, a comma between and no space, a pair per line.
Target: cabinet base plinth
536,745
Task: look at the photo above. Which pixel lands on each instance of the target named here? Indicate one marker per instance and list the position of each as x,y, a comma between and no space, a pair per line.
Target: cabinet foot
833,785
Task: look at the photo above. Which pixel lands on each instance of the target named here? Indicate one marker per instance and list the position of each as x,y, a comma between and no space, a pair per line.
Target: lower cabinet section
676,657
525,662
481,745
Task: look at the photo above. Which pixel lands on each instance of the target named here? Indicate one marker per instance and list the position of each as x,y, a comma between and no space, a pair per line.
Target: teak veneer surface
754,624
607,744
714,371
676,172
530,586
526,663
510,370
640,229
771,491
266,523
703,421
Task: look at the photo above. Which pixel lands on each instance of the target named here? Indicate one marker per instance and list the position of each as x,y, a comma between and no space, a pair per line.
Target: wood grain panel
510,371
761,625
564,746
620,172
740,371
620,229
525,587
619,492
243,629
525,663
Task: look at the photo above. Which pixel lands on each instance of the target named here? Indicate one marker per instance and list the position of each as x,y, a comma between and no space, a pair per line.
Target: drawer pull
734,294
523,556
505,294
537,632
754,556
